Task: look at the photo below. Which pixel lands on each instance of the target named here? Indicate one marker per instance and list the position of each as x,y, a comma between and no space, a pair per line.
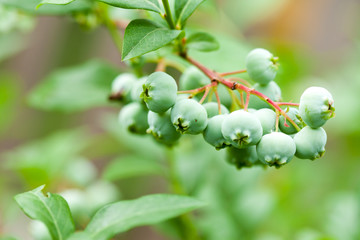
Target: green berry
192,78
162,129
310,143
267,119
245,157
213,110
189,116
241,129
159,92
288,128
276,149
316,106
261,66
137,89
212,133
271,90
133,117
122,85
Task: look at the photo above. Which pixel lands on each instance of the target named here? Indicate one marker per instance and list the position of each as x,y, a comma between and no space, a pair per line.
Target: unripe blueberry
189,116
267,119
310,143
122,85
192,78
271,90
293,113
133,117
159,92
261,66
245,157
276,149
316,106
241,129
161,128
212,133
213,110
137,89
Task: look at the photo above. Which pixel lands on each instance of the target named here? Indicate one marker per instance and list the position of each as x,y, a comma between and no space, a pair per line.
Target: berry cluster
255,127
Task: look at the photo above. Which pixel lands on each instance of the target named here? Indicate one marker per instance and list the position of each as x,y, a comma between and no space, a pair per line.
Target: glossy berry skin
212,133
310,143
267,119
316,106
261,66
271,90
245,157
189,116
192,78
276,149
162,129
137,89
293,113
241,129
159,92
212,109
133,117
122,85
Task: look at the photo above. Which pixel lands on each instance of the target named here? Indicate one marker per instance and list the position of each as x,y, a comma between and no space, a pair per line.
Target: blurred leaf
41,161
80,236
75,88
131,166
52,210
149,148
229,57
343,217
143,36
8,96
151,5
39,231
184,9
49,9
245,13
8,238
60,2
202,41
10,44
122,216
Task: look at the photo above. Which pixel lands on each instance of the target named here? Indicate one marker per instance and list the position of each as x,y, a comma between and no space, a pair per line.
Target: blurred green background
69,139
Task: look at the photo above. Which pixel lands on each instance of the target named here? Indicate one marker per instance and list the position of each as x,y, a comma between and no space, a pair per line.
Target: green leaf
131,166
80,236
202,41
52,210
143,36
29,6
151,5
60,2
122,216
44,160
184,9
75,88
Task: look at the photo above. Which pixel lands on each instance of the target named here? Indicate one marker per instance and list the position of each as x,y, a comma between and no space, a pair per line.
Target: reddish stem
243,81
287,104
218,100
247,101
232,73
207,90
234,85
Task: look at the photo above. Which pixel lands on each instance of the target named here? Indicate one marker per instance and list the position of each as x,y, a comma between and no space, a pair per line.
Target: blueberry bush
196,137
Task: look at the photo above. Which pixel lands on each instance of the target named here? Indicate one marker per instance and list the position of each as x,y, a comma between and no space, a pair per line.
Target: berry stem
207,90
287,104
247,101
161,66
217,99
243,81
196,90
232,73
277,121
234,85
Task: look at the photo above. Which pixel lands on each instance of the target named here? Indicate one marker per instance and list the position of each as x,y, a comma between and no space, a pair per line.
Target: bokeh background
318,42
